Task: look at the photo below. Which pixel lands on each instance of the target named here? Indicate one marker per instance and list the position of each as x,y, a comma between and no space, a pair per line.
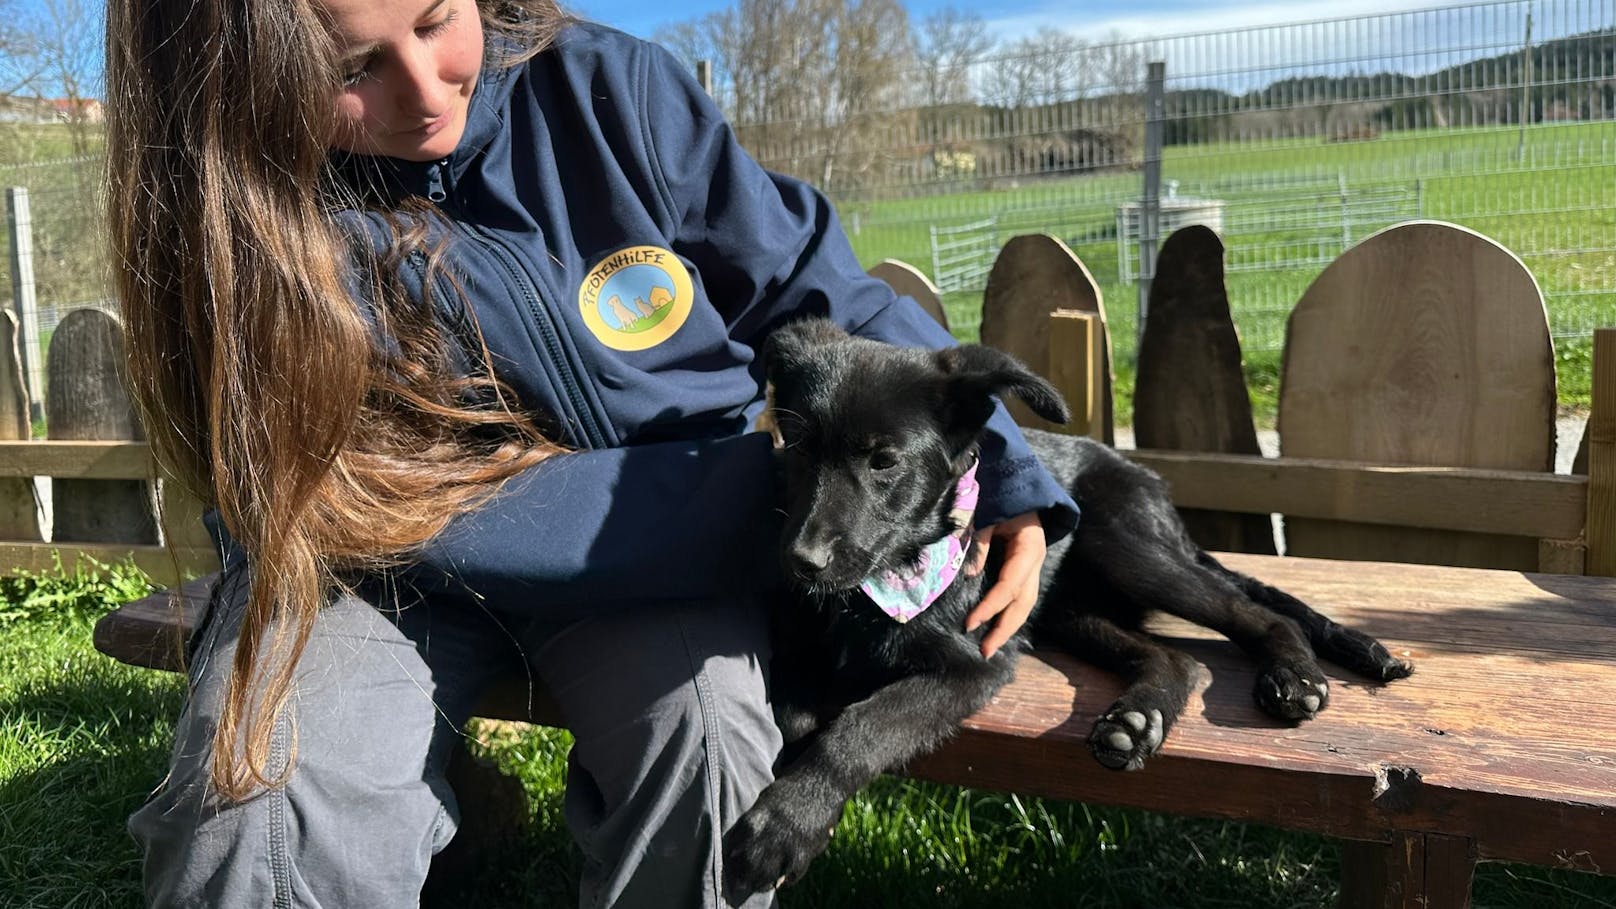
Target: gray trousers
668,706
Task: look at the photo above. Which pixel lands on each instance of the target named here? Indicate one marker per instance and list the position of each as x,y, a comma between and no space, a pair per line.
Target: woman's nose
419,91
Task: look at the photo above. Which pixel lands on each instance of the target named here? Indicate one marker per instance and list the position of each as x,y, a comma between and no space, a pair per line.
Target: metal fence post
1346,215
704,75
1150,199
22,295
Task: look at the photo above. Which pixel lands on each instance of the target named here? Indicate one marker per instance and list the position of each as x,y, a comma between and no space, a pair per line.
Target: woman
452,312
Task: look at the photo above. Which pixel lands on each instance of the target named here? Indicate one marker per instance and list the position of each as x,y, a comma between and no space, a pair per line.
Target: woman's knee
363,806
674,740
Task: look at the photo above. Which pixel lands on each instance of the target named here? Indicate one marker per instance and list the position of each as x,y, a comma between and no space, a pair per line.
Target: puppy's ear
788,345
975,372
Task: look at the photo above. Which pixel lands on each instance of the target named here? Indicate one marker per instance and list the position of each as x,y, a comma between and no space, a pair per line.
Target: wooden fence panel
1427,344
910,281
1190,394
1034,276
19,503
86,398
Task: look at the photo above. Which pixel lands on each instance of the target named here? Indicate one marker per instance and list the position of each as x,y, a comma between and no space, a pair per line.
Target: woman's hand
1010,601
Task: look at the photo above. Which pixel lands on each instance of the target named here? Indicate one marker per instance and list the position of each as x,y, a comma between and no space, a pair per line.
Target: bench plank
1511,747
1503,736
1518,502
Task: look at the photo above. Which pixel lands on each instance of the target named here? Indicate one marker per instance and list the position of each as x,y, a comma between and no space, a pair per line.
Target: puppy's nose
810,558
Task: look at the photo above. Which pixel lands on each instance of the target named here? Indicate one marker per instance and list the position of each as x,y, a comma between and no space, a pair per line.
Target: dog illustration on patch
624,317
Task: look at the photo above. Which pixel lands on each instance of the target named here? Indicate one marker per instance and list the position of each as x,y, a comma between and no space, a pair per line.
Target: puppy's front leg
792,820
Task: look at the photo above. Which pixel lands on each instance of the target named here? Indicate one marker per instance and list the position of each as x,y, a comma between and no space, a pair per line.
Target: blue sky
1010,19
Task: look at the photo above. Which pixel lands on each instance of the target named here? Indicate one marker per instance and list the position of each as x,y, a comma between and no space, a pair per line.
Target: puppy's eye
883,459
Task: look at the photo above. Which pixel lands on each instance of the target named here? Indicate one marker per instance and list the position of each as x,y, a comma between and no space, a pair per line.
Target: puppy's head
874,439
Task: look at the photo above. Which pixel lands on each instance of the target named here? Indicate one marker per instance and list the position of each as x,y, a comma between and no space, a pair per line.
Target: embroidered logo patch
636,298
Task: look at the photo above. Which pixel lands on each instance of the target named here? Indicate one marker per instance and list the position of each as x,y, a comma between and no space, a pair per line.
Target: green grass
83,739
1554,205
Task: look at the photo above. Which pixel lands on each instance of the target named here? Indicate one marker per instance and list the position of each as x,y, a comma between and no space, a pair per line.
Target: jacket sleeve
613,526
770,250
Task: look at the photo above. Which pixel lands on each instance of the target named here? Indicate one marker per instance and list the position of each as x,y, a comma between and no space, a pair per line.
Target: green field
1552,201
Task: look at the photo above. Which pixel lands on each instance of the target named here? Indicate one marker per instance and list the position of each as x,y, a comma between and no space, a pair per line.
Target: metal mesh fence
67,233
1293,141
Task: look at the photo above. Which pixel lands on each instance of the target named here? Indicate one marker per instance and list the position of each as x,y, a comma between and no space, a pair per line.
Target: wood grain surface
19,506
1190,392
910,281
1425,344
1033,276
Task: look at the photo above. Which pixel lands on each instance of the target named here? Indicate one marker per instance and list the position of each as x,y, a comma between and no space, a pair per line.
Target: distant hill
1573,78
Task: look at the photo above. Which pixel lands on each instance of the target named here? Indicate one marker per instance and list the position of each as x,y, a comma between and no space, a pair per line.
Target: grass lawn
83,739
1551,200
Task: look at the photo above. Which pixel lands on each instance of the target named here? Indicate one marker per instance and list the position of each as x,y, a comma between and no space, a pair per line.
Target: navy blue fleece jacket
626,259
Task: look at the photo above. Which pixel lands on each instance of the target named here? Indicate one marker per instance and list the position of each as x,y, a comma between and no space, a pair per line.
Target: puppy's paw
1292,692
1126,735
767,848
1364,655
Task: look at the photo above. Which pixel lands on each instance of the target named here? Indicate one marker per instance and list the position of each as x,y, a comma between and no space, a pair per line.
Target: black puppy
879,448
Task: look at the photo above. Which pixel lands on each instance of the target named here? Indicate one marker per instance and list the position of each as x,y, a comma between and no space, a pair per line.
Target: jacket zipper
549,334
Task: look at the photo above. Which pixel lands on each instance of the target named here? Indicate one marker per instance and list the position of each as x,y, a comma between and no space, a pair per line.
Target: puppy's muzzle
808,559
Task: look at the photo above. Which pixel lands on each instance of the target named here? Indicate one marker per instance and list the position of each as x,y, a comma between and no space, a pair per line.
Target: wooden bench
1499,748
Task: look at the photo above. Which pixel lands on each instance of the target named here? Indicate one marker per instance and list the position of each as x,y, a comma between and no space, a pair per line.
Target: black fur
873,440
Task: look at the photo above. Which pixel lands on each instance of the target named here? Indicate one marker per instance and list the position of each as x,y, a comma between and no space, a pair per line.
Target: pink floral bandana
905,593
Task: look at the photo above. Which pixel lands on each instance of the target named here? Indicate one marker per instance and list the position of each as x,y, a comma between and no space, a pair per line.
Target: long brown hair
243,331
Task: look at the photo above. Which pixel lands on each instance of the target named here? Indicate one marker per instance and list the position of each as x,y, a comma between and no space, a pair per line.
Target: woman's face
408,70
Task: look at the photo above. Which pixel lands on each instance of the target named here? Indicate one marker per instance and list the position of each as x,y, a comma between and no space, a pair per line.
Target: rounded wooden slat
1426,344
1033,276
911,282
1191,393
19,510
87,399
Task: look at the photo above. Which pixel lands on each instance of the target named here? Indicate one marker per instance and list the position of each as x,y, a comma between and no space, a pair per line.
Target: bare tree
69,62
689,41
865,90
804,81
19,62
1044,68
947,44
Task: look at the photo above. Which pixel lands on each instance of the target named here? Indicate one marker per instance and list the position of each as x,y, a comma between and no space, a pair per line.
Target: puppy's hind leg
1337,643
1290,684
1159,682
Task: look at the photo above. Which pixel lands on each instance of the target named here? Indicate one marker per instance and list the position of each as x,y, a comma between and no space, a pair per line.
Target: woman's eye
359,69
883,460
427,31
